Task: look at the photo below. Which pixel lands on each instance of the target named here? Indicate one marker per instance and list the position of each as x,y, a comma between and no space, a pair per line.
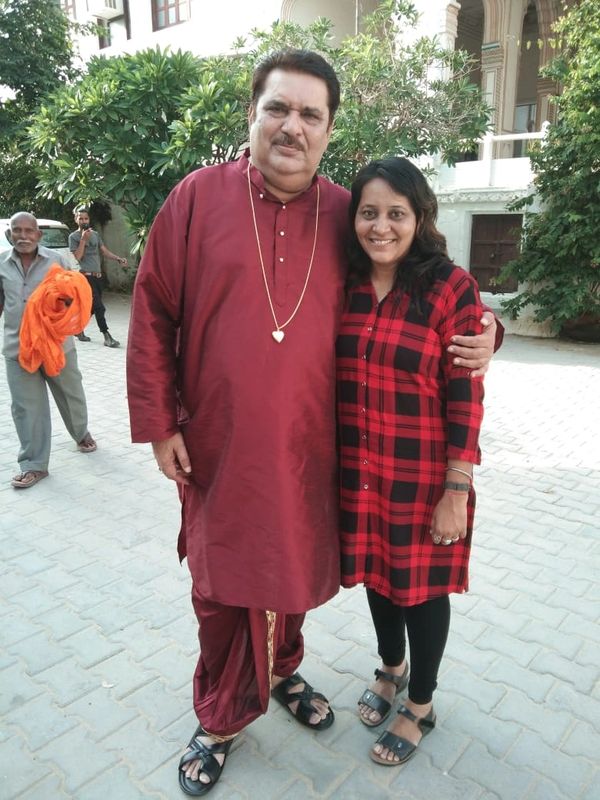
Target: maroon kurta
260,525
404,409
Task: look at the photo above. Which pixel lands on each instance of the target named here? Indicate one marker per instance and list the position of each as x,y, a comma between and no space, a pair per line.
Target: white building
510,40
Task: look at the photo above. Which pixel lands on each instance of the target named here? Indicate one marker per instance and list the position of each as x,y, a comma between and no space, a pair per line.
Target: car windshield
54,237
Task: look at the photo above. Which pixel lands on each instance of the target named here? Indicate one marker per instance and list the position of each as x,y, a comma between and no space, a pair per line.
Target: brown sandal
375,702
26,479
87,444
402,748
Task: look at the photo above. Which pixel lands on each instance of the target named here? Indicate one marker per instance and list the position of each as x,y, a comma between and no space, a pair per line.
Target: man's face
289,130
83,220
25,235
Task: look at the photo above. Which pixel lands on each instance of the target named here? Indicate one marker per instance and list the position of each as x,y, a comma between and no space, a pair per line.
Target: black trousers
98,309
426,626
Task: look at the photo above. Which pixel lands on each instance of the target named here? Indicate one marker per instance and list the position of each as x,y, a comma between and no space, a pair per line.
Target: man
22,269
231,377
87,247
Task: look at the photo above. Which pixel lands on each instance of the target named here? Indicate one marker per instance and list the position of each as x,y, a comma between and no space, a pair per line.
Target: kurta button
363,411
261,196
365,485
370,328
365,461
365,357
364,436
282,233
363,383
283,206
281,259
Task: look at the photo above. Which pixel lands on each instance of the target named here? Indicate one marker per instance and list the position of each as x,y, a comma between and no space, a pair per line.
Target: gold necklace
278,333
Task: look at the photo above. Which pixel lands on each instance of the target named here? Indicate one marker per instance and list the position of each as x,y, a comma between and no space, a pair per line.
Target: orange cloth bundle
59,307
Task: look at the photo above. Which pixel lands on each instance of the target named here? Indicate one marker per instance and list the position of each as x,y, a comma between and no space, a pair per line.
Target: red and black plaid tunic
403,410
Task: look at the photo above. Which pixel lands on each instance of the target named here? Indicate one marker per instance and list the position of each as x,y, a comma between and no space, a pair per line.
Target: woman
409,426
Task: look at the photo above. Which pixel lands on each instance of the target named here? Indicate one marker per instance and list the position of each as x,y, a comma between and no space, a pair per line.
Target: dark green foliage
35,57
559,265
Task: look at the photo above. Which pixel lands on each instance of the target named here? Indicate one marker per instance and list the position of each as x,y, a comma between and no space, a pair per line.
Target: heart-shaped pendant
278,336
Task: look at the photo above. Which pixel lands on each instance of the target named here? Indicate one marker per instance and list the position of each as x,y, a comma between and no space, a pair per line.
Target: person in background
22,269
409,421
88,247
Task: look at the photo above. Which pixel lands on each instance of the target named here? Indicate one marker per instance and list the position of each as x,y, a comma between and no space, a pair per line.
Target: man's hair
81,210
306,61
27,214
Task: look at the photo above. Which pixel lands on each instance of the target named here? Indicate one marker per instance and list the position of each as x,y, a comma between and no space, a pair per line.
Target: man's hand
172,459
475,352
122,261
86,234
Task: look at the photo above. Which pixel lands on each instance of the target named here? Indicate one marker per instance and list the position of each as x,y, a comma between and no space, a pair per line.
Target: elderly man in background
22,269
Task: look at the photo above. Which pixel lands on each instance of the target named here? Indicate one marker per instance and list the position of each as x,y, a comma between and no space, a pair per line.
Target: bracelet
462,472
457,487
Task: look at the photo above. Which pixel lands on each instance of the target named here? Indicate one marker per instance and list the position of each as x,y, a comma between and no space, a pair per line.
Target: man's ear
8,235
251,114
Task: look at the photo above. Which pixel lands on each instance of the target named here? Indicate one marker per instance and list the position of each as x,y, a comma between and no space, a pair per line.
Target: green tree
559,264
133,126
35,49
36,56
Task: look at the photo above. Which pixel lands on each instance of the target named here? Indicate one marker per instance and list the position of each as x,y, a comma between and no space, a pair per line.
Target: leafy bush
559,265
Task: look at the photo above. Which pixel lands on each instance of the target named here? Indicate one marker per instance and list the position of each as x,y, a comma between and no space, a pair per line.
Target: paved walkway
98,638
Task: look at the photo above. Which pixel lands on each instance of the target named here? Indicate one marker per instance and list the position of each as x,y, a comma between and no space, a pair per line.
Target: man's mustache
287,141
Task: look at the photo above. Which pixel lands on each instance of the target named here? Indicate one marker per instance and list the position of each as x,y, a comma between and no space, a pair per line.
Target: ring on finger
447,541
437,539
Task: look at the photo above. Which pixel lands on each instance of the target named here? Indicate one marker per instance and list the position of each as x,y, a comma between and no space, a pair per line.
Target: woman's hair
417,272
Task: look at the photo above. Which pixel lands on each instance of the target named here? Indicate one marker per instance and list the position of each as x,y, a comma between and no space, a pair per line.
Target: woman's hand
449,521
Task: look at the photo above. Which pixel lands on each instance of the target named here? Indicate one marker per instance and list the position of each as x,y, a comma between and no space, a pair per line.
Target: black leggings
427,628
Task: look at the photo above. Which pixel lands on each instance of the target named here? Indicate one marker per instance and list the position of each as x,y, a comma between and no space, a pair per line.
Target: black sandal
205,753
378,703
402,747
304,711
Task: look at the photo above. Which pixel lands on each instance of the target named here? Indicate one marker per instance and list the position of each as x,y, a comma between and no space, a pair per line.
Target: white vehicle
55,235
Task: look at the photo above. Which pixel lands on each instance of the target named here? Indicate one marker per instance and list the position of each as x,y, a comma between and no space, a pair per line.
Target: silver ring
447,541
437,539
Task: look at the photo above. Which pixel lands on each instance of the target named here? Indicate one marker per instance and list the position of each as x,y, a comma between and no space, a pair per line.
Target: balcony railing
497,166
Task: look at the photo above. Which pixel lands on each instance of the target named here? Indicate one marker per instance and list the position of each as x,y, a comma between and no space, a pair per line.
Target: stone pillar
448,34
547,15
492,72
511,32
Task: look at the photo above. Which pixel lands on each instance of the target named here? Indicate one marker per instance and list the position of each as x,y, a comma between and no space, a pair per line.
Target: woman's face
385,224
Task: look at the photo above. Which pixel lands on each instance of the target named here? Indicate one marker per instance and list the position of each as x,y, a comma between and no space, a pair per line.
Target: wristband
457,487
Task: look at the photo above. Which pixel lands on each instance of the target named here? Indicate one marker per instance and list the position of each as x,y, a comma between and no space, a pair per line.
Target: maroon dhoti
240,650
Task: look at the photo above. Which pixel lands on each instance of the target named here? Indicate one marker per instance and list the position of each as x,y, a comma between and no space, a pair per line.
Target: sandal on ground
205,754
400,747
375,702
305,709
87,444
26,479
